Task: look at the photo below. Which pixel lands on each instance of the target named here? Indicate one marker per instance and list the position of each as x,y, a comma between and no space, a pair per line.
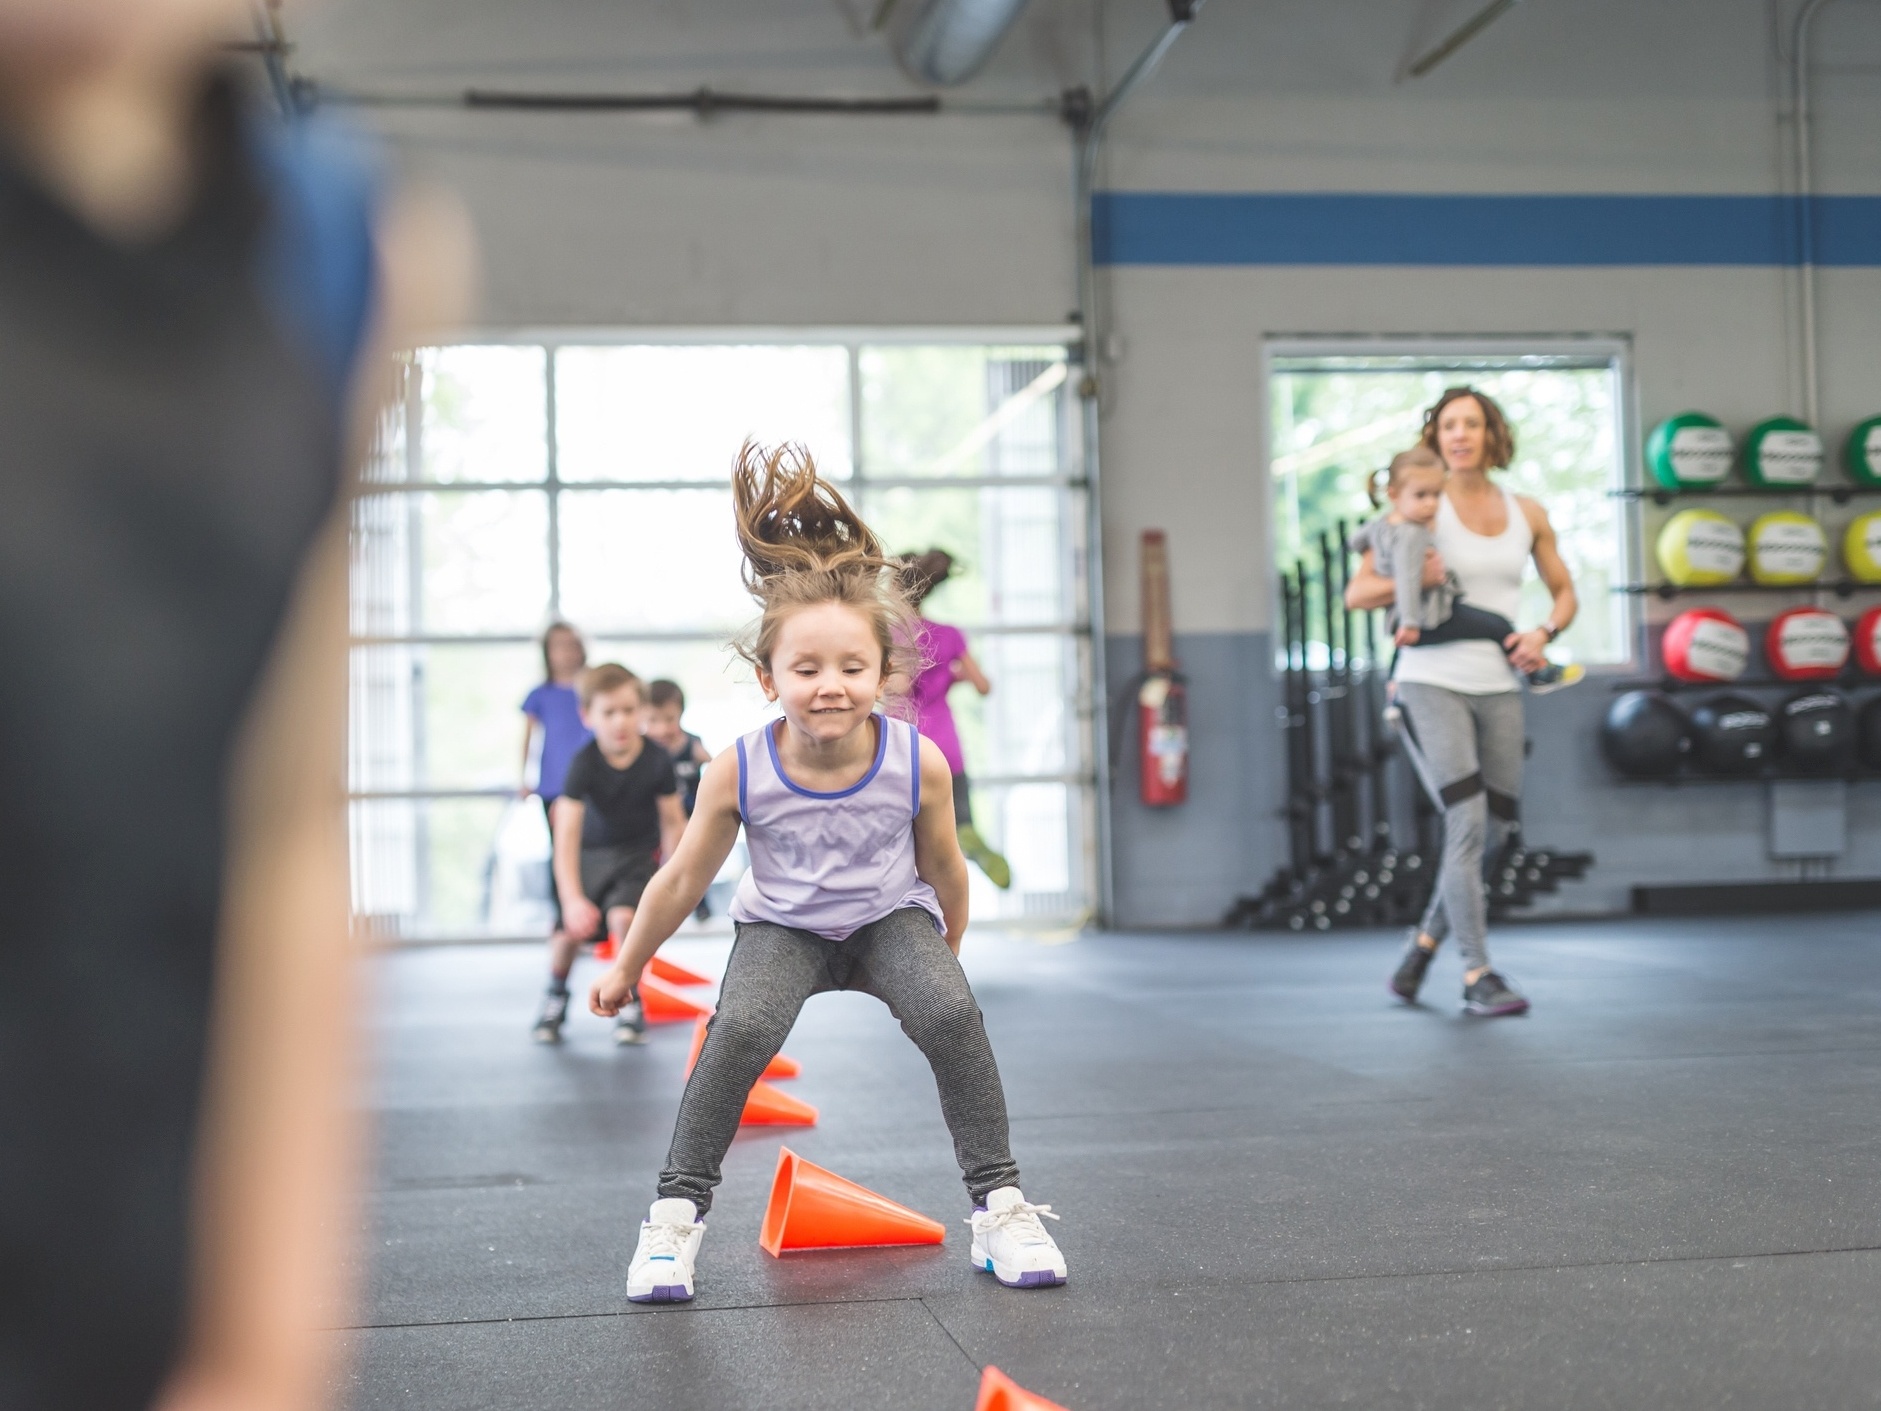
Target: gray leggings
1474,747
903,961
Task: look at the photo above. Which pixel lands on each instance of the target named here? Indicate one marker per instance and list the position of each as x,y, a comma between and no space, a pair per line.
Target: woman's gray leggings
903,961
1474,747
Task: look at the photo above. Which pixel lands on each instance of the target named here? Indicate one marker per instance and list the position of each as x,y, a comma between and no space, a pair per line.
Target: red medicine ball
1705,644
1806,644
1868,641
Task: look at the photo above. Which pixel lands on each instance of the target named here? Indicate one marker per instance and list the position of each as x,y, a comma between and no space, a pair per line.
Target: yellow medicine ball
1861,548
1700,548
1787,547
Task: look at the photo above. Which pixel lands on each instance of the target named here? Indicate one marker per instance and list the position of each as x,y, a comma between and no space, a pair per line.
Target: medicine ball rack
1841,587
1349,864
1840,493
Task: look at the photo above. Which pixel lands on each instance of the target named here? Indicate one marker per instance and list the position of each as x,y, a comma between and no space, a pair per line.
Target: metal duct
947,41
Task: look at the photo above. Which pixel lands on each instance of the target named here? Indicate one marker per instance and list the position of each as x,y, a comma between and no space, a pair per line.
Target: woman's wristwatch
1551,629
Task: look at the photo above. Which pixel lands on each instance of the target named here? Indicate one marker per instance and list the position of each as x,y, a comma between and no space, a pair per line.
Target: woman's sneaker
631,1025
1489,995
669,1242
1011,1244
551,1017
1409,978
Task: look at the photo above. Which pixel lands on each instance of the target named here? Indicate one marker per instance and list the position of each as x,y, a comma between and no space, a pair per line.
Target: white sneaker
1011,1244
669,1242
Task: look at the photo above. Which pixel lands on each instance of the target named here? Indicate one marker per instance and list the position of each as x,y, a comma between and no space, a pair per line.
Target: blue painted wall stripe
1375,228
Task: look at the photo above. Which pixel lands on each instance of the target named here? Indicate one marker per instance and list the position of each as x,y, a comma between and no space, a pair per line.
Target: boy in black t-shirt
619,810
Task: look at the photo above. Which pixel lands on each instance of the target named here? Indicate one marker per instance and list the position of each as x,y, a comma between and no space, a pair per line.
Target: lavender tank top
830,863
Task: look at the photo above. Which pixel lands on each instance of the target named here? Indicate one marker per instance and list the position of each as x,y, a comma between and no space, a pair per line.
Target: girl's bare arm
677,887
937,856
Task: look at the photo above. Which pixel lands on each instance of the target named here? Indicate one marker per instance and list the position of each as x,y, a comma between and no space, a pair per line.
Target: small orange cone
773,1107
999,1392
778,1067
816,1209
606,948
674,974
664,1006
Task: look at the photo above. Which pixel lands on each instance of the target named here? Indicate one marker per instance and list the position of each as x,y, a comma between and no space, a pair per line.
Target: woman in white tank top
1463,698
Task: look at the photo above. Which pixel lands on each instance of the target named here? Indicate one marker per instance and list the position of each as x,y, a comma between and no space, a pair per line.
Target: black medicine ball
1869,723
1732,735
1818,732
1645,736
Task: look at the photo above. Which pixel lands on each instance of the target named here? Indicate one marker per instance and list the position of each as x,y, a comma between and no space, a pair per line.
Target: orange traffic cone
773,1107
674,974
778,1067
664,1006
606,948
999,1392
816,1209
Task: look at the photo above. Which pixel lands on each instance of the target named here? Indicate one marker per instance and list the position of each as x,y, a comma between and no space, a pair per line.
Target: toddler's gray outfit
1398,552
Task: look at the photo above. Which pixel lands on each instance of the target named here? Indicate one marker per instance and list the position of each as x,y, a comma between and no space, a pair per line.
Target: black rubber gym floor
1662,1188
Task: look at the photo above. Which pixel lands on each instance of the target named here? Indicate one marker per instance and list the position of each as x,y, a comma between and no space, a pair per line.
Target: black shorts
612,877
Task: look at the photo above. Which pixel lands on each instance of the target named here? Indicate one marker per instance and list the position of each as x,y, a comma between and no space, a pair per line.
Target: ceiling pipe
1805,204
1089,119
948,41
1462,35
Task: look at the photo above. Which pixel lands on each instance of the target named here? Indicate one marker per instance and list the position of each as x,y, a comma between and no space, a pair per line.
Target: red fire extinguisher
1162,701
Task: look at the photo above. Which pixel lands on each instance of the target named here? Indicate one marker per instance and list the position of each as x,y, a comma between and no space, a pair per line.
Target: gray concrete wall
768,222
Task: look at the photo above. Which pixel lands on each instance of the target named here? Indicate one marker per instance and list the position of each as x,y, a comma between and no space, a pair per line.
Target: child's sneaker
1553,678
980,853
631,1025
1011,1244
551,1017
669,1242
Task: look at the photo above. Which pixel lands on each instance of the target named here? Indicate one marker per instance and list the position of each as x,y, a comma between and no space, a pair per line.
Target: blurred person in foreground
195,305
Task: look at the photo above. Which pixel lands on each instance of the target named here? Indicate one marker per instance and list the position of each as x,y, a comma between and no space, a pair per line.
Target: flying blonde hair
804,546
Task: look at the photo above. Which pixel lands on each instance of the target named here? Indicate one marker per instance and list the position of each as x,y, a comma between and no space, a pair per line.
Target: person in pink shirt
946,662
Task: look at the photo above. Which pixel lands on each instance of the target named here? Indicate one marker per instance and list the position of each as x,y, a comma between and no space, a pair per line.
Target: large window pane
484,560
486,414
440,717
1009,549
651,560
1028,724
722,696
963,411
665,413
1336,420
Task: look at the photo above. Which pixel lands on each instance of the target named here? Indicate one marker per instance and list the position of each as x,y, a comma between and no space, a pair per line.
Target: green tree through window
1337,420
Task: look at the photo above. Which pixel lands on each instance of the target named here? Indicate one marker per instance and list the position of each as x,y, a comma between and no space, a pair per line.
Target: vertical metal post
552,484
1088,126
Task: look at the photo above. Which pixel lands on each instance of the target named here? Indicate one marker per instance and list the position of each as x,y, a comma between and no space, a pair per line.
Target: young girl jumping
856,878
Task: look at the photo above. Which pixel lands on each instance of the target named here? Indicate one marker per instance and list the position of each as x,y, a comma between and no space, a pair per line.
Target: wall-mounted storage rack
1841,587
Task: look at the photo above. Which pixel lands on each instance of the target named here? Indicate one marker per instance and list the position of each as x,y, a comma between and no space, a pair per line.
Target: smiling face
1463,434
825,670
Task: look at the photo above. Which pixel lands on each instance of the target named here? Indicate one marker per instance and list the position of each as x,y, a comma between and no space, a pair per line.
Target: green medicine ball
1787,548
1782,451
1861,548
1861,453
1700,549
1689,450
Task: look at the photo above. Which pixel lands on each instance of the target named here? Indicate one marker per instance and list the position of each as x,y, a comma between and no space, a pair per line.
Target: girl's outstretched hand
610,992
